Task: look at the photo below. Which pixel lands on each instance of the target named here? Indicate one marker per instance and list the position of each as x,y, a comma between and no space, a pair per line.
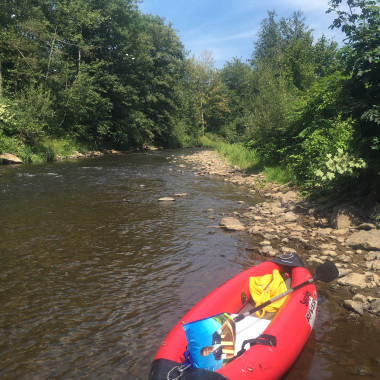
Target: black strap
264,339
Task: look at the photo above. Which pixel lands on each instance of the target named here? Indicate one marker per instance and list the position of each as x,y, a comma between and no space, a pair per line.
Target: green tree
238,77
166,53
212,102
361,59
274,98
325,57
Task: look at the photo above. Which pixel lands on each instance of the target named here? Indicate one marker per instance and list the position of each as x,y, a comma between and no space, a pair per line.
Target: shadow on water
94,271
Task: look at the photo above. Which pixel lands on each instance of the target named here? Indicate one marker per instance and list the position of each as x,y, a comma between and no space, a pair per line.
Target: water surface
94,271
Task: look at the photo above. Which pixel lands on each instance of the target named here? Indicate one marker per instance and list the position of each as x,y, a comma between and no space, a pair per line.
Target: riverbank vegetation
99,74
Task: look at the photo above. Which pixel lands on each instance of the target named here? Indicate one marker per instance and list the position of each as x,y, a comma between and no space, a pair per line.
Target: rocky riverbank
286,223
10,158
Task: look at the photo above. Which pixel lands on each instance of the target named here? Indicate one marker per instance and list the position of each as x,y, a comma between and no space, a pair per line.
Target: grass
47,149
247,159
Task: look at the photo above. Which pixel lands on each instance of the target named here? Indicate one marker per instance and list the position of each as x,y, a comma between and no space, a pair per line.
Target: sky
228,28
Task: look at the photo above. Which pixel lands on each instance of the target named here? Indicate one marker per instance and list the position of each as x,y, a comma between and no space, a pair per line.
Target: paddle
325,272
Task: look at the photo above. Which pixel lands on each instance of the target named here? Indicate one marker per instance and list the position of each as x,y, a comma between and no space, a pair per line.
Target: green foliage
324,152
29,116
246,159
267,132
33,114
339,165
107,75
238,78
361,60
237,154
286,46
88,111
205,86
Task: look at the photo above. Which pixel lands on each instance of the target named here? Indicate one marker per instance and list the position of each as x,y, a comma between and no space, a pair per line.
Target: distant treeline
102,74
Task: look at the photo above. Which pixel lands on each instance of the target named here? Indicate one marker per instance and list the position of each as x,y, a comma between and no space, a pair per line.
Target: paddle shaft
259,307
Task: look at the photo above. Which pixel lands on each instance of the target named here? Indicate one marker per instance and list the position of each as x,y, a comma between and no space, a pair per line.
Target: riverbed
94,270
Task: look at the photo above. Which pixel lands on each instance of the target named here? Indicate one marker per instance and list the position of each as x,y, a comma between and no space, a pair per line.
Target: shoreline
285,223
12,159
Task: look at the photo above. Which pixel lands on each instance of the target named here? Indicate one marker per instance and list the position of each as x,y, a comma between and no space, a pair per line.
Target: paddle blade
326,272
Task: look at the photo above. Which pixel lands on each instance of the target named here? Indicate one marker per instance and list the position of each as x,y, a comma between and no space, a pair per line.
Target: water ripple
91,283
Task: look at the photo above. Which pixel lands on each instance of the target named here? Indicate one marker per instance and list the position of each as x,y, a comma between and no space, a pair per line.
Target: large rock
290,196
368,240
232,224
354,306
10,159
354,279
375,307
344,217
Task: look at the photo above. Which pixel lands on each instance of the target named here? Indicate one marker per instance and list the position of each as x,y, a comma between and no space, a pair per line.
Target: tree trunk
51,55
203,120
1,80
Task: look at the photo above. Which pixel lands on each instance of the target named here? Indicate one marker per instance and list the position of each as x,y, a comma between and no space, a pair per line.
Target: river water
94,271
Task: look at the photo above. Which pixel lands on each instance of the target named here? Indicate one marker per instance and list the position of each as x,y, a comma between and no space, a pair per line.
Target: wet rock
8,158
356,307
268,250
232,224
374,307
353,317
334,287
363,300
363,370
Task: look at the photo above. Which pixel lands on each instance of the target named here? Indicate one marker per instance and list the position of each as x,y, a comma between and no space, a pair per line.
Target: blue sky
228,27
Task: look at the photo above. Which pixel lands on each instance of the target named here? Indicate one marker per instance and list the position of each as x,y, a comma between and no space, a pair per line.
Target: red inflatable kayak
283,336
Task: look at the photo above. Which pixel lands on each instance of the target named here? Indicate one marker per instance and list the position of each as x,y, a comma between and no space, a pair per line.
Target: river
94,270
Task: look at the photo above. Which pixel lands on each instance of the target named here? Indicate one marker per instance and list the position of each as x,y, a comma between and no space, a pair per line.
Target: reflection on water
94,271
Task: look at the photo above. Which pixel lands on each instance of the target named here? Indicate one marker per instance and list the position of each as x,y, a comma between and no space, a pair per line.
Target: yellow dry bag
266,287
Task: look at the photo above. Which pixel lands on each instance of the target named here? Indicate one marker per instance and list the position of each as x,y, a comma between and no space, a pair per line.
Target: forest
100,74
